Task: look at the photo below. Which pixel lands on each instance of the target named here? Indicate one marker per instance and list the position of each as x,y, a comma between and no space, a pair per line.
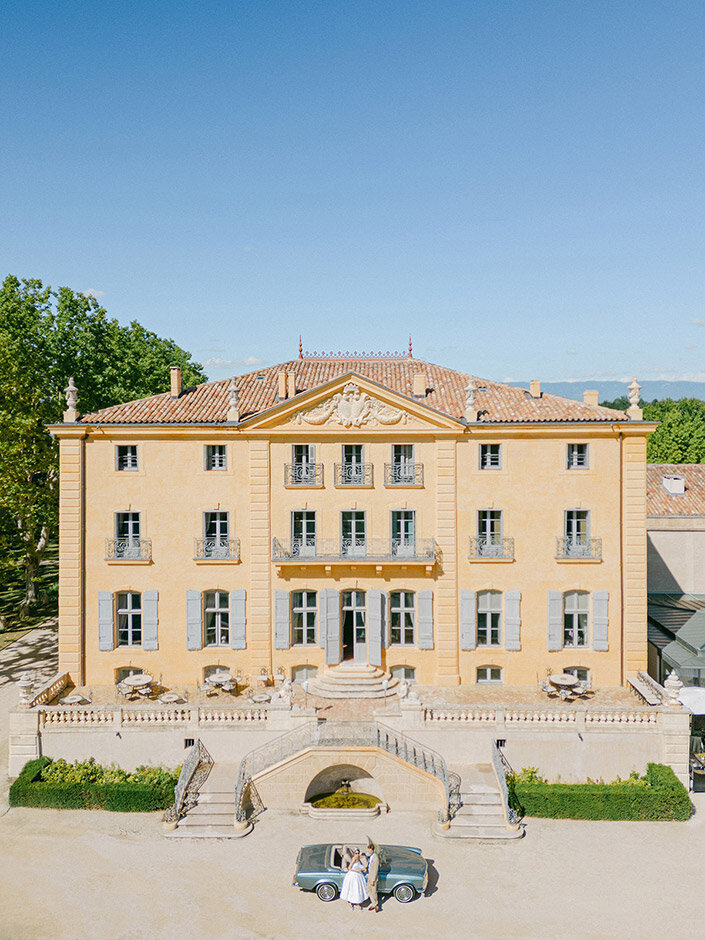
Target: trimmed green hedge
119,796
657,795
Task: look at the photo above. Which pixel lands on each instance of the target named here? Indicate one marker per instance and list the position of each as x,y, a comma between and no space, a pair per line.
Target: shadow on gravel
432,885
32,653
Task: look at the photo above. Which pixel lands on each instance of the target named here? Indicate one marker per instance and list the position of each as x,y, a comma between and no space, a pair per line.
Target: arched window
300,673
580,673
575,618
404,672
129,618
303,618
489,674
402,618
489,618
216,618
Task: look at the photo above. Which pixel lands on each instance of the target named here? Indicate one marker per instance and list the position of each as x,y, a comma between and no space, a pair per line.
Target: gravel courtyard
88,875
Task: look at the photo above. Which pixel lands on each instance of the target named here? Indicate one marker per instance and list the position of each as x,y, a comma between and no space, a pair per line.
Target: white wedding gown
354,889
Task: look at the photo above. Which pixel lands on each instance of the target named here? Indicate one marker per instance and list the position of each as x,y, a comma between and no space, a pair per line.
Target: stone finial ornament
71,392
634,411
25,684
673,686
470,398
233,401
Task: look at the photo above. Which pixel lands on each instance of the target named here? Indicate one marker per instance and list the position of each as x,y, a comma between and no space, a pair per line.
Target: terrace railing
486,547
194,772
129,549
372,550
403,474
303,474
226,549
353,474
578,548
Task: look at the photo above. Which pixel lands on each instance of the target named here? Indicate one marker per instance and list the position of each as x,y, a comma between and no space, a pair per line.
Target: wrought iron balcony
132,549
488,547
216,548
403,474
303,474
353,474
578,548
325,551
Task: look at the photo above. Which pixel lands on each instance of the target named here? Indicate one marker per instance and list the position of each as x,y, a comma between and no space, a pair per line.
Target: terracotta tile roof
208,403
660,502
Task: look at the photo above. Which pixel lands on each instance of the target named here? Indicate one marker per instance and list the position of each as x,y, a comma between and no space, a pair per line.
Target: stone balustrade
463,716
82,716
49,690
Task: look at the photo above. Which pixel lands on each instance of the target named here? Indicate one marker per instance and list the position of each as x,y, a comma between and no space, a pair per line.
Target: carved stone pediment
351,408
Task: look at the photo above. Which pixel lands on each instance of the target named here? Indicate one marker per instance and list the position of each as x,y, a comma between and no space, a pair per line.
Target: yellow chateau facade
386,511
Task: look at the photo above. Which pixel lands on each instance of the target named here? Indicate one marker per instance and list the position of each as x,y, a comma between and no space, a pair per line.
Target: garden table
138,680
218,678
563,680
170,698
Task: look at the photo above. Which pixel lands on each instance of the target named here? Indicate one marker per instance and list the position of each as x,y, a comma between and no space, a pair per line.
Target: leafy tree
621,403
680,437
45,337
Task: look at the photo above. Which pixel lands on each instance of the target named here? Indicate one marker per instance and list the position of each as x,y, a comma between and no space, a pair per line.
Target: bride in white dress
354,889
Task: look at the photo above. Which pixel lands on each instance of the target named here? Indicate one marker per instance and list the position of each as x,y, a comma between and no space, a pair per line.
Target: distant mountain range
611,390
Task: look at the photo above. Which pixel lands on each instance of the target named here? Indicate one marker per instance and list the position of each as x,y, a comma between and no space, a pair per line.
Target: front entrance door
354,626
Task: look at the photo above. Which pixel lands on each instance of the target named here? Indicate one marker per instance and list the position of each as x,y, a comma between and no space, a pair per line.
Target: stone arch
329,779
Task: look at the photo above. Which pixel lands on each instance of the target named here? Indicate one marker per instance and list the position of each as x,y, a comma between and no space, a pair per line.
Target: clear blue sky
519,185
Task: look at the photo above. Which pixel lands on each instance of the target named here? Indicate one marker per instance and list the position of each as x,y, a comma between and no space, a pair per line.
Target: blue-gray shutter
468,620
322,599
600,603
150,619
555,620
194,621
238,619
282,629
512,620
425,619
106,629
374,626
332,626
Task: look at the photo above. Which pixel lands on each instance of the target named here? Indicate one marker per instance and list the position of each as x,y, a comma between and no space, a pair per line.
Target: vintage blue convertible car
321,868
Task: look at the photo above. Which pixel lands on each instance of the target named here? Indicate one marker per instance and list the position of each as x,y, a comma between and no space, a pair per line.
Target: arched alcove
329,779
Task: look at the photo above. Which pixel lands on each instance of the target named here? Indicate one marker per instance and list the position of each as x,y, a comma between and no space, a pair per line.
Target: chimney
674,485
290,384
535,388
281,385
175,373
419,385
590,396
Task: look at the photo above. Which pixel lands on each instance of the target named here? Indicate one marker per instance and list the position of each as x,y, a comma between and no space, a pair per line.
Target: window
303,465
353,466
489,532
126,672
580,673
489,674
216,617
303,533
126,457
216,528
303,618
402,469
577,531
352,533
489,618
216,457
403,672
575,618
129,619
577,456
402,618
490,456
127,535
403,532
303,673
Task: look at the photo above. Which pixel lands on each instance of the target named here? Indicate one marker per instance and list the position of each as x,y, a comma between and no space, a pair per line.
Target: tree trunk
33,556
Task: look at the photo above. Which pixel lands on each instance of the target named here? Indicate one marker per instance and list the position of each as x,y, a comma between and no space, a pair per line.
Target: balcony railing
216,548
403,474
578,548
133,549
370,550
353,474
303,474
488,547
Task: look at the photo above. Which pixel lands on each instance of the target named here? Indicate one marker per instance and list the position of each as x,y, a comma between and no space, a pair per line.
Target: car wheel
404,893
327,892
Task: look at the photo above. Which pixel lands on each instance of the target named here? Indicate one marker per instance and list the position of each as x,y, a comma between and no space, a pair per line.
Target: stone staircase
214,814
481,814
352,680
